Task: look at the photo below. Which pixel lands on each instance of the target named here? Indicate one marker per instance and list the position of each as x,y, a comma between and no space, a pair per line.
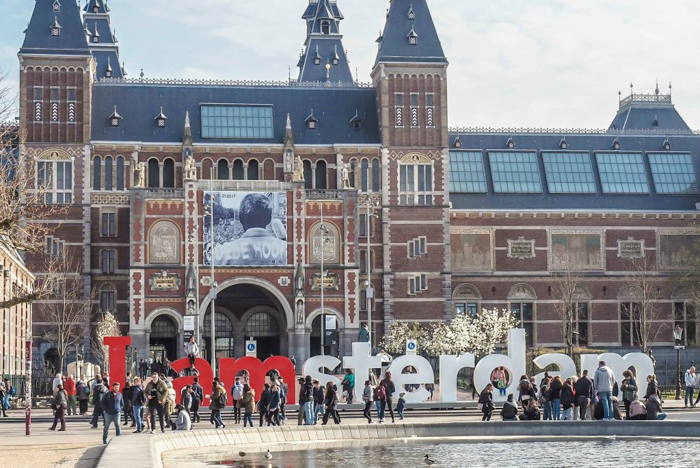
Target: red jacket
69,387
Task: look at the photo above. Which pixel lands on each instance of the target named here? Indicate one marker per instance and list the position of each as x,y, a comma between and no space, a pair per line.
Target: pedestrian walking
247,404
331,403
99,390
603,383
389,390
170,403
59,406
113,404
197,400
306,401
72,395
486,402
367,394
319,398
128,405
263,403
138,400
218,401
236,395
273,407
83,393
401,405
156,394
691,381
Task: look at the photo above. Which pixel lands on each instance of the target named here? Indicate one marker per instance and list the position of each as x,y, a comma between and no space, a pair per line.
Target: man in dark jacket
197,400
99,390
138,399
584,395
112,405
319,397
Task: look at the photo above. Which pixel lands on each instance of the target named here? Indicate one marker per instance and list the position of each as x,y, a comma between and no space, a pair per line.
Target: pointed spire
288,134
187,132
656,91
55,29
109,71
409,35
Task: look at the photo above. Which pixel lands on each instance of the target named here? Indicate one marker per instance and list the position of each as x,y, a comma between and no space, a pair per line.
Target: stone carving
164,243
298,170
300,312
325,246
630,248
140,175
521,292
165,281
576,250
521,248
345,176
190,169
289,161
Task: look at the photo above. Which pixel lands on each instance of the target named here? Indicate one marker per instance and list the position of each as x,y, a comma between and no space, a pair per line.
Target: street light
369,290
678,336
324,231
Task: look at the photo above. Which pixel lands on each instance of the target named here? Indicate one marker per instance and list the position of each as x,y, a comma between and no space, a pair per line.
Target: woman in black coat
331,403
486,402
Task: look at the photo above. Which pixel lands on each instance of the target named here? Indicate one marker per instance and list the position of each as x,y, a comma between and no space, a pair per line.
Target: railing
166,193
570,131
321,194
250,83
646,98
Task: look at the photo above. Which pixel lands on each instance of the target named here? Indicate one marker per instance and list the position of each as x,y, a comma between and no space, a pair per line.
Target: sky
513,63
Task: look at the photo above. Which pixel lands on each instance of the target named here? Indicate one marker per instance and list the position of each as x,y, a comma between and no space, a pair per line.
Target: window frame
108,265
515,170
695,186
607,186
48,170
551,172
229,131
530,324
469,174
409,192
108,223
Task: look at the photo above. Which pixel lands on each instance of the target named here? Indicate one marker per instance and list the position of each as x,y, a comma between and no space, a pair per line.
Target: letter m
230,367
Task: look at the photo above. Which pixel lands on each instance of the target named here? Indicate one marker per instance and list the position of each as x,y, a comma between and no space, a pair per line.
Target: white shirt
56,382
691,379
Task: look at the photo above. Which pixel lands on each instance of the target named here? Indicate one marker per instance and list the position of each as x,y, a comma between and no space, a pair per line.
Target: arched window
153,173
108,173
206,169
321,175
163,327
521,299
376,174
97,173
222,170
325,27
238,172
261,325
308,175
365,175
253,170
353,170
224,335
466,299
169,173
120,173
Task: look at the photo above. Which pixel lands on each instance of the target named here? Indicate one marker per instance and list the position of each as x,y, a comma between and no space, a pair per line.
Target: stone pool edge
139,449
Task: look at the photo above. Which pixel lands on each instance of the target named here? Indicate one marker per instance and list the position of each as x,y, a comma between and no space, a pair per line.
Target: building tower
323,58
410,80
102,40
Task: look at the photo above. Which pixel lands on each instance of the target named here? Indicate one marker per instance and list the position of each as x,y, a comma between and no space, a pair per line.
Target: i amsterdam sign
361,361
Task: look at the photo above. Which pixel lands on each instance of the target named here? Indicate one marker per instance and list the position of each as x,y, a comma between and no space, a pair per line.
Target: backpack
222,401
12,390
380,392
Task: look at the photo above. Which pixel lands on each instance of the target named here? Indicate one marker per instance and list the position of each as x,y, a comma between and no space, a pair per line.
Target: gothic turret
323,58
55,29
102,40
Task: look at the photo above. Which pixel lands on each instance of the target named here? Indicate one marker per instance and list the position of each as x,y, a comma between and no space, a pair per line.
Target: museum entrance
245,312
163,339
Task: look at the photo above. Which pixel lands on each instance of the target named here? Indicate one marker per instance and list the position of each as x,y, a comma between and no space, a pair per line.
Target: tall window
629,312
97,173
108,299
353,173
222,170
238,171
581,324
363,262
376,175
153,173
253,170
470,309
321,175
308,175
415,184
109,225
523,311
55,179
686,317
169,173
108,261
108,173
365,225
365,175
120,173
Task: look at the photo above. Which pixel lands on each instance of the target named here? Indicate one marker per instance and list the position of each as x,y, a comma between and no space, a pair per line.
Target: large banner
250,228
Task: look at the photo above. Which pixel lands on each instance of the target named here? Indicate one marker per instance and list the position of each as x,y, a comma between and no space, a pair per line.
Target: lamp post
324,231
212,284
369,290
678,336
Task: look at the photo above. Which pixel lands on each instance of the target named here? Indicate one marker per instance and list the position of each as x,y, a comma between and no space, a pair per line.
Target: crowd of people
580,398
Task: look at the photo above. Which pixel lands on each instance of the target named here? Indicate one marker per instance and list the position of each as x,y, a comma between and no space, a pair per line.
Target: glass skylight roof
467,172
515,172
569,172
622,173
673,173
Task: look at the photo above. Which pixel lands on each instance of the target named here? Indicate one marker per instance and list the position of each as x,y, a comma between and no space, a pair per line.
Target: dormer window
96,8
616,145
96,35
336,57
325,27
413,37
356,122
510,144
115,118
317,57
667,145
108,71
563,144
55,28
411,13
161,119
458,142
311,122
655,122
56,6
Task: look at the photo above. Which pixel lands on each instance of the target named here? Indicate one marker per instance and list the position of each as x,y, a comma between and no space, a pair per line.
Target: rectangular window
430,100
673,174
71,94
417,247
414,100
55,181
38,93
54,247
622,173
581,331
109,225
686,317
515,172
237,122
108,261
107,301
569,172
365,226
363,261
629,314
415,184
363,300
467,172
523,311
412,286
467,308
399,100
54,94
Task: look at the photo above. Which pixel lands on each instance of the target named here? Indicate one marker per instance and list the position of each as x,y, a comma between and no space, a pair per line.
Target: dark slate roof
104,58
138,104
101,5
322,9
394,46
38,39
101,24
327,47
578,142
649,118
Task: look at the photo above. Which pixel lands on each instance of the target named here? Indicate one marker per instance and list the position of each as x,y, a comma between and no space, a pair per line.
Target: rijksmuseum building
366,182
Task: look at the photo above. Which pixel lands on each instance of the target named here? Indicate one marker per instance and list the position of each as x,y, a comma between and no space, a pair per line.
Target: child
401,405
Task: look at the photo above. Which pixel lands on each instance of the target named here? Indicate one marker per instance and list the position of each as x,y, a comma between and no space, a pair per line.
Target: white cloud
549,63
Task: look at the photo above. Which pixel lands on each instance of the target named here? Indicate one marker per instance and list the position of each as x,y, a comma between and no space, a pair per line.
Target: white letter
514,362
361,361
566,365
449,368
313,368
424,375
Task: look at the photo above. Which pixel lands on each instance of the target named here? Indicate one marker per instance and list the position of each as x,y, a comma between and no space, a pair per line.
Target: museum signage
361,361
521,248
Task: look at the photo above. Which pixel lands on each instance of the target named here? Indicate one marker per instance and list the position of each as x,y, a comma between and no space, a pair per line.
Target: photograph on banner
250,228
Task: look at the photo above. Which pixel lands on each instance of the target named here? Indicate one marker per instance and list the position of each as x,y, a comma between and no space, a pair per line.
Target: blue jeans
689,394
547,407
109,419
6,401
319,410
138,418
661,416
502,391
607,402
380,413
248,419
556,409
568,414
309,412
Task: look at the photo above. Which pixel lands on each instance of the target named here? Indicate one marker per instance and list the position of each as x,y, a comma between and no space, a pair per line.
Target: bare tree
66,310
106,325
567,291
643,285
